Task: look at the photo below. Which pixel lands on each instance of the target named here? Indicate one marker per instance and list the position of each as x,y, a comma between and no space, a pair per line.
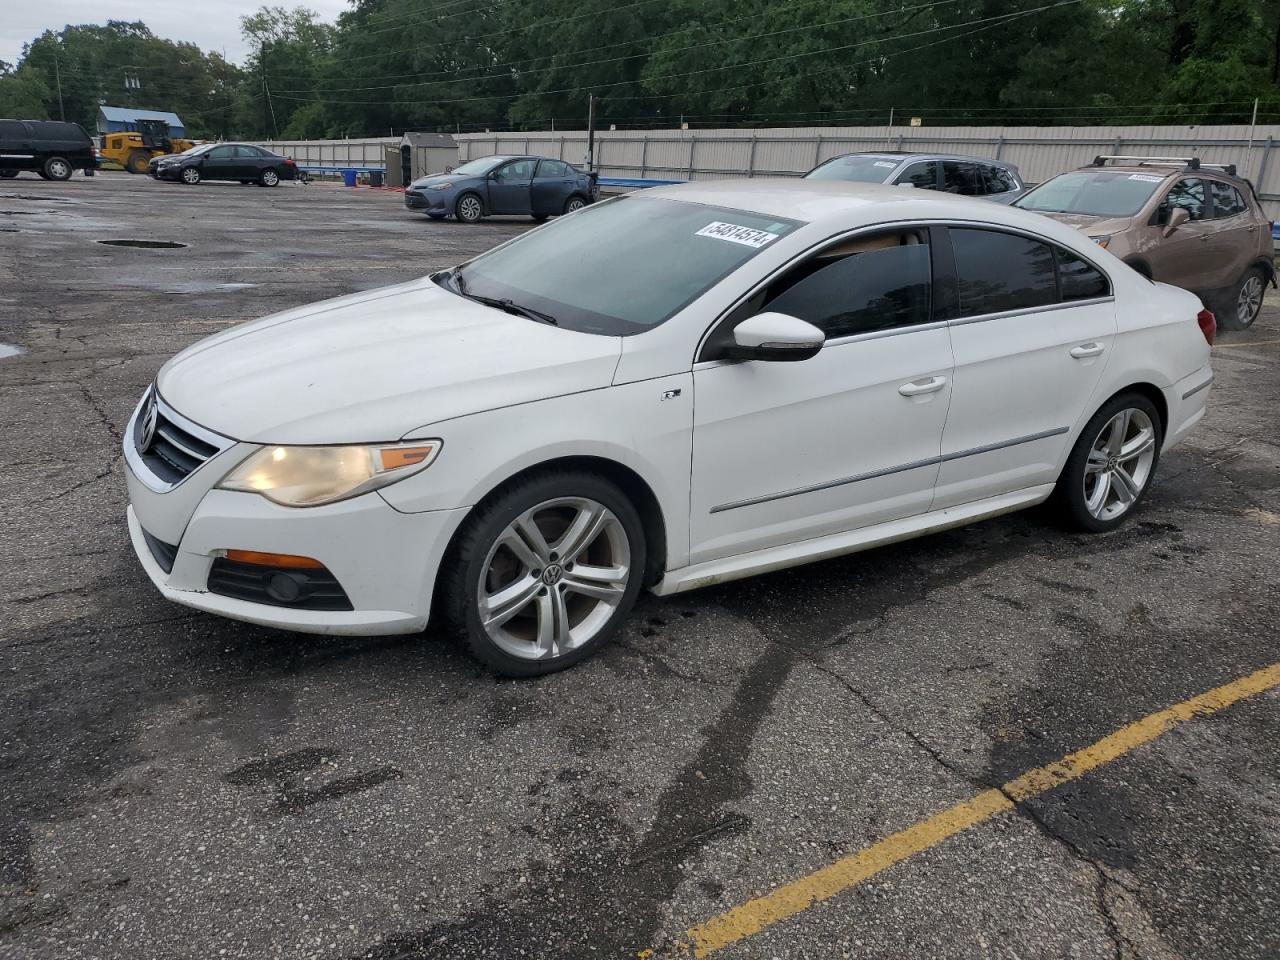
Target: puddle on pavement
9,350
198,286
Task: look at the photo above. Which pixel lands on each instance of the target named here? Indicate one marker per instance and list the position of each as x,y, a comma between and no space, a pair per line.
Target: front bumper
384,560
426,201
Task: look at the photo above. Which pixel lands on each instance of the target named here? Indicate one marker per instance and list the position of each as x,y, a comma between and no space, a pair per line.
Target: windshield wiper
505,304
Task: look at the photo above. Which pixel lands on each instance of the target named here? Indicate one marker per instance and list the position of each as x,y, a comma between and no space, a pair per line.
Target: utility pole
268,111
1248,162
592,100
58,76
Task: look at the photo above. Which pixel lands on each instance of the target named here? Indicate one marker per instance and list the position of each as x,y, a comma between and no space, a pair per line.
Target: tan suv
1173,219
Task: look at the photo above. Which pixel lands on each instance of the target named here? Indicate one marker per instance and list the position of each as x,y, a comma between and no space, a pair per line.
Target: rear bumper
1187,400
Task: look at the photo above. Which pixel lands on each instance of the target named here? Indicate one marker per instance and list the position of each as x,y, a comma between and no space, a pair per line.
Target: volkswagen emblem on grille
147,426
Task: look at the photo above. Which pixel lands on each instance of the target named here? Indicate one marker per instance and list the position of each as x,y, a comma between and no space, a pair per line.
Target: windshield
857,166
620,267
476,168
195,150
1095,194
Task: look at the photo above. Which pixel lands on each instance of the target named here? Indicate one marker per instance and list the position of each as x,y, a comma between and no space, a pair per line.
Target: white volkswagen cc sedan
666,390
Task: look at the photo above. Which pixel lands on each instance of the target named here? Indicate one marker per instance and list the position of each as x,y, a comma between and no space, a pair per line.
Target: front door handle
1086,350
917,387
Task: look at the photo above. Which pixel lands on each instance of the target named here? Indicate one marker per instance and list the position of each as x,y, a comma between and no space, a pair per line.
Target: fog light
284,587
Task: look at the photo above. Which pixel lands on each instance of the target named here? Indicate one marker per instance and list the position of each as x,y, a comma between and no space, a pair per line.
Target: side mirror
775,336
1177,218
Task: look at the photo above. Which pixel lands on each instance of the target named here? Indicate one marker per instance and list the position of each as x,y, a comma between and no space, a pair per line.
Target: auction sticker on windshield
736,234
1145,178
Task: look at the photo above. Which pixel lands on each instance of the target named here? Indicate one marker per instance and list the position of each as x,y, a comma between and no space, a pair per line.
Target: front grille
164,553
173,452
310,589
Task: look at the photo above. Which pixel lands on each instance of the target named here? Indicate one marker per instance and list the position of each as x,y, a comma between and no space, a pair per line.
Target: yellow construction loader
133,150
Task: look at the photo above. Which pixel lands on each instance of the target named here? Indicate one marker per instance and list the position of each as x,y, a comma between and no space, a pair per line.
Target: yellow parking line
795,897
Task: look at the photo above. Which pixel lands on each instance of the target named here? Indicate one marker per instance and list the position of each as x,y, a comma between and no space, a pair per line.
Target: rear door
16,152
553,182
1233,243
1036,324
510,188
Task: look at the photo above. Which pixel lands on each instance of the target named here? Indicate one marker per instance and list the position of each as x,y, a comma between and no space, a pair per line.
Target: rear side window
13,130
552,170
1002,271
251,152
57,130
1079,280
1227,201
859,286
922,176
999,180
962,178
1188,193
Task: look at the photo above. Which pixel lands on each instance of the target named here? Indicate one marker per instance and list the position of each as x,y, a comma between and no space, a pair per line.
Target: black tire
1069,494
575,203
137,162
463,567
42,175
269,177
58,168
8,174
469,208
1231,311
245,182
435,216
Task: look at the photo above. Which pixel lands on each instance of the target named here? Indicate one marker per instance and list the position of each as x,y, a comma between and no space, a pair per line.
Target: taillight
1208,325
288,162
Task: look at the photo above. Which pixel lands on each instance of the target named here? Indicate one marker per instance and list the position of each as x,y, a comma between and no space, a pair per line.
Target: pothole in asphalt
145,244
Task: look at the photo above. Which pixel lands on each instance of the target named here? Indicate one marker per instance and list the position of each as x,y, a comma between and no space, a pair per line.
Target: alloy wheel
574,205
553,578
469,210
1249,302
59,169
270,178
1119,464
191,175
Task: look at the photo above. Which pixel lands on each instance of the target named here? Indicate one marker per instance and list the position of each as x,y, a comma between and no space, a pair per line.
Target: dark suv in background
51,148
966,176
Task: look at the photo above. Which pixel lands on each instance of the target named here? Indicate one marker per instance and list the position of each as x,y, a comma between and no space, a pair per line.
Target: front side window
858,286
623,266
221,153
922,176
962,178
521,171
997,272
1227,201
856,167
1093,193
1189,194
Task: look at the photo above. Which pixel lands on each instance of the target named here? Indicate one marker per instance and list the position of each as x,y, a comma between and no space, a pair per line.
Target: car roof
1163,171
836,205
909,155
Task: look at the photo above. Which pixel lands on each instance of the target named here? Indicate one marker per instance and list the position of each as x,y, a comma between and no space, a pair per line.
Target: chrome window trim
133,456
1002,314
890,471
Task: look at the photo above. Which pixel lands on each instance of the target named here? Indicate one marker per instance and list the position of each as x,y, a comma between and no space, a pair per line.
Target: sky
211,24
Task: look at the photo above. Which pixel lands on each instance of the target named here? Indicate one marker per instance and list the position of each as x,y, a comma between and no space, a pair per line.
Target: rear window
857,167
1093,193
57,130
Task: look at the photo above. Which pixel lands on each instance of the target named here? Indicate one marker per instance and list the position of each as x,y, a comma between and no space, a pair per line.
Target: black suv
51,148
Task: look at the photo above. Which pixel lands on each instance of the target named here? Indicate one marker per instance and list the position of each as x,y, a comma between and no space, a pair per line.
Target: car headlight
1101,241
311,476
439,186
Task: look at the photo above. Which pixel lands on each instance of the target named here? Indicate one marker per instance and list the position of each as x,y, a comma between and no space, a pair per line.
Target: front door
790,451
1180,258
219,164
1036,324
509,188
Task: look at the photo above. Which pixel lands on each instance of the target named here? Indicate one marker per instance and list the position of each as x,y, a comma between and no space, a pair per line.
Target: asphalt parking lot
173,785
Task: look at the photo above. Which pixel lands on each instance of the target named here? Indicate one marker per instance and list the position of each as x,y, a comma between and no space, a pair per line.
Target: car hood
438,178
374,366
1094,226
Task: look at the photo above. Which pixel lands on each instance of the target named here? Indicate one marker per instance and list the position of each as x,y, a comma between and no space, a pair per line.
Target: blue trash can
348,178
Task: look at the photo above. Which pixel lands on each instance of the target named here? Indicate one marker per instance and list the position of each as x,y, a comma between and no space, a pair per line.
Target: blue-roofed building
120,119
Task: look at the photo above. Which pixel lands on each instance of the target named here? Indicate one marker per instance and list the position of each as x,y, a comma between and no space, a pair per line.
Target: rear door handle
1086,350
917,387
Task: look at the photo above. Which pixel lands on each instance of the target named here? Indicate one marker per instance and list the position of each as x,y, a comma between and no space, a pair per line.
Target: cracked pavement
173,785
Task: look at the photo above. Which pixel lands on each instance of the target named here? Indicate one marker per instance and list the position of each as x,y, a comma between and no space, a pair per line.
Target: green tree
23,93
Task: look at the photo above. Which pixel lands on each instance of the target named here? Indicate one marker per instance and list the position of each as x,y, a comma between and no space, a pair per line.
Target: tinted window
858,167
871,284
1079,280
1227,201
249,152
57,130
519,172
1095,194
999,180
13,130
222,153
923,175
962,178
1187,193
625,265
1002,271
553,170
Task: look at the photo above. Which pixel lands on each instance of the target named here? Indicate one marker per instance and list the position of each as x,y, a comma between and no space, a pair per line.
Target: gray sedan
537,187
967,176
